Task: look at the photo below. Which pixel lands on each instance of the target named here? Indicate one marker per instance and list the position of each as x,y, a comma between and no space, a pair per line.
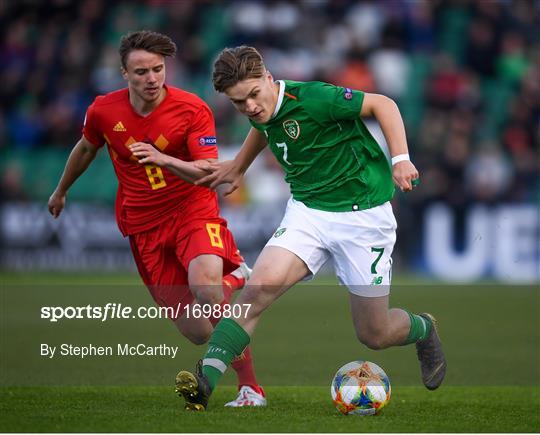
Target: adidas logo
119,126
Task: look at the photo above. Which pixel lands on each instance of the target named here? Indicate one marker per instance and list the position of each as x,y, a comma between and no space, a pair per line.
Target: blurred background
465,75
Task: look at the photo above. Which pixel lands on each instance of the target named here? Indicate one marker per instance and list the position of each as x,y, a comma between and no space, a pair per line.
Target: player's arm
187,171
78,161
232,171
386,112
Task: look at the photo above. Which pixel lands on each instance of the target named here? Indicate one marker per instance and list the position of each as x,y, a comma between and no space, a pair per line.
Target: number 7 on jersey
284,146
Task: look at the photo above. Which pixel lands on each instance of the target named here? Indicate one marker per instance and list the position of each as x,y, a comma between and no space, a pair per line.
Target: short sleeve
329,102
90,129
201,139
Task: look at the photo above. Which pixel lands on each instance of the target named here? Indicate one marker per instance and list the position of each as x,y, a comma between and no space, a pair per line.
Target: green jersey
331,160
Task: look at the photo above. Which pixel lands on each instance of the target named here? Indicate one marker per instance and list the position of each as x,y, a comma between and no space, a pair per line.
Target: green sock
226,343
420,328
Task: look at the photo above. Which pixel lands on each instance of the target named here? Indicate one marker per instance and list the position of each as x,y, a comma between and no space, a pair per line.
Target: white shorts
360,243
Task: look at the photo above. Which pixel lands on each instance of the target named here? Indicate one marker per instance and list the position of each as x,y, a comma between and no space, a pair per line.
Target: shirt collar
281,93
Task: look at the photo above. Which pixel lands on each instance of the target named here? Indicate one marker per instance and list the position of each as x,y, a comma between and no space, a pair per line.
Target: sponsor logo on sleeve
348,94
207,141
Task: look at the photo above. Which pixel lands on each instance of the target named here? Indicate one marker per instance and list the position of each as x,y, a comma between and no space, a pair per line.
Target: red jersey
181,126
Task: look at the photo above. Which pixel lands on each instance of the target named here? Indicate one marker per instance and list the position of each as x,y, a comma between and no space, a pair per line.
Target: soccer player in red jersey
155,134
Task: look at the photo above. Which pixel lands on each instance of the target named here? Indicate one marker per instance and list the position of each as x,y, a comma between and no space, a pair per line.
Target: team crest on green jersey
279,232
292,128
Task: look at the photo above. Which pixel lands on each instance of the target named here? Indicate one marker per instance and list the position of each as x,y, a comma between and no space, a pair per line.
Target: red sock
231,283
243,364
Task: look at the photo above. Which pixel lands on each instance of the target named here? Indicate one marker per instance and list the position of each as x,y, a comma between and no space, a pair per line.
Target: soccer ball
360,387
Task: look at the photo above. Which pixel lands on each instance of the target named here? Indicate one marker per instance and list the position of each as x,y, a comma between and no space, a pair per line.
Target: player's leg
275,271
167,281
250,393
363,262
377,326
208,250
293,253
196,330
205,275
205,281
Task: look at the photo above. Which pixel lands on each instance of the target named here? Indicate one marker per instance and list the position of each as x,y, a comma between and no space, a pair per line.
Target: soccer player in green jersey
341,185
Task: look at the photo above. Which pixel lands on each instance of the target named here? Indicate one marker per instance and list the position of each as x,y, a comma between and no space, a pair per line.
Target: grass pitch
291,409
491,336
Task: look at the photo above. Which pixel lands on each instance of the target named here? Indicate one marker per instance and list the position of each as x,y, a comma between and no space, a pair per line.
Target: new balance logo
119,126
377,280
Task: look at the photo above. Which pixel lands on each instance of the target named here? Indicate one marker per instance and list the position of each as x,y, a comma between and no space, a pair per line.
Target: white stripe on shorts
216,363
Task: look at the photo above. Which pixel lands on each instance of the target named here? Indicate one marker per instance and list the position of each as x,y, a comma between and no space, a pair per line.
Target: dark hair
236,64
146,40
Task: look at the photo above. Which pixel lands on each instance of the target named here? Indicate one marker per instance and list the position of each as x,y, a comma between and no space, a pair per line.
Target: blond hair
236,64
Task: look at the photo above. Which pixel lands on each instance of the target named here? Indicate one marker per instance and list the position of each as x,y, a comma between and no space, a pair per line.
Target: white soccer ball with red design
360,387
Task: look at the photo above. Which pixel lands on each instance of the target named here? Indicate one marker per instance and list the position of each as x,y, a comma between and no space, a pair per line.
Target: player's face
145,74
255,98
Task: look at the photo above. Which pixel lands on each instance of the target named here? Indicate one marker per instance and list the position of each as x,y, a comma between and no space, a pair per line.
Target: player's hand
147,154
403,174
222,173
56,204
203,165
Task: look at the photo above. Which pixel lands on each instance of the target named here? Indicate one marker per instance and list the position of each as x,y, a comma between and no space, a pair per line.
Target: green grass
491,335
291,409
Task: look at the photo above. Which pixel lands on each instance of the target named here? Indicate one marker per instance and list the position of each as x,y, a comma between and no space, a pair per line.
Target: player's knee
374,340
198,338
205,285
208,294
205,277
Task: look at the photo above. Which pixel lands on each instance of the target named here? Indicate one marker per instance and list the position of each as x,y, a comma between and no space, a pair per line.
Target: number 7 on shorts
374,264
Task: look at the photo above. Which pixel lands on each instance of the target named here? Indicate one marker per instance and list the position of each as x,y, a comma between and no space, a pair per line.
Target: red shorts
163,254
